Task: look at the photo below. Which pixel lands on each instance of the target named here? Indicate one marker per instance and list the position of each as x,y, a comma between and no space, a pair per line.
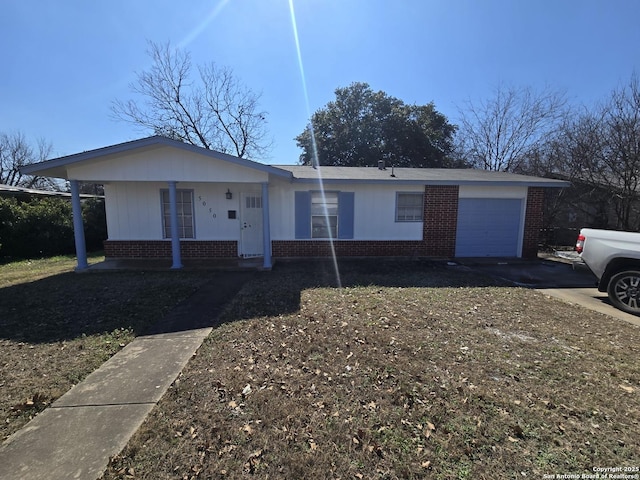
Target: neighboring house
167,199
588,203
22,193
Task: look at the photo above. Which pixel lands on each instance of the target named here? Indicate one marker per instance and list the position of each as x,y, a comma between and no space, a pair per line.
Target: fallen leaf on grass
30,403
247,429
253,461
377,449
429,427
627,388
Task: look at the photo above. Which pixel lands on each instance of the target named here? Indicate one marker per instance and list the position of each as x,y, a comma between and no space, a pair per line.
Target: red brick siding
346,248
162,249
533,222
440,220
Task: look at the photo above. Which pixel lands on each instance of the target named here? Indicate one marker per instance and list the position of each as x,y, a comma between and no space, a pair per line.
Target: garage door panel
488,227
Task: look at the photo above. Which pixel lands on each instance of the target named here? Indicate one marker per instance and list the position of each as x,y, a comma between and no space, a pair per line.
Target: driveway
563,278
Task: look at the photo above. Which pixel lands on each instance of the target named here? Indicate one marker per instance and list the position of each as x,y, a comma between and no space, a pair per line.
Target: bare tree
618,165
498,133
598,151
213,110
16,152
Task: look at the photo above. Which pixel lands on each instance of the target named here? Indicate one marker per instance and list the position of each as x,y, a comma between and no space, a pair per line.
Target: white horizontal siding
374,211
134,210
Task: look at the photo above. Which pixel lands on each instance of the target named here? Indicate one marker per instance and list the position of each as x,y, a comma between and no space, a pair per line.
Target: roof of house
421,176
304,174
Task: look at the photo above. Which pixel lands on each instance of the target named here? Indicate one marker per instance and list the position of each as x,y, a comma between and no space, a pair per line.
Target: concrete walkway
74,437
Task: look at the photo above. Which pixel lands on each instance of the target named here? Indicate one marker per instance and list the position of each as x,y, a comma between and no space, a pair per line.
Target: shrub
95,223
44,227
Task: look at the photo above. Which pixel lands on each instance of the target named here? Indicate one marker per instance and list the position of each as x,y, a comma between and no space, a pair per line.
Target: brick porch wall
440,220
346,248
162,249
533,222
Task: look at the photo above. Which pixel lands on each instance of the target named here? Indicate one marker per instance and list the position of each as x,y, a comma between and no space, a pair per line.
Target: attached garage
489,227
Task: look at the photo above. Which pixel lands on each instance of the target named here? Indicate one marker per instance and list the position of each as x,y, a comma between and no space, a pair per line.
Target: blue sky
64,62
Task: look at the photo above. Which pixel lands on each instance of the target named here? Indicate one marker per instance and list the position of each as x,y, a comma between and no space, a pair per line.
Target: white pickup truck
614,258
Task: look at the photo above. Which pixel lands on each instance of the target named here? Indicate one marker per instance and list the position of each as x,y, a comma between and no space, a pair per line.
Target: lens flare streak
314,157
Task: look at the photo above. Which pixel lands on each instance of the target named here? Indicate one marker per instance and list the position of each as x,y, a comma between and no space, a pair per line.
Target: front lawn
408,370
57,326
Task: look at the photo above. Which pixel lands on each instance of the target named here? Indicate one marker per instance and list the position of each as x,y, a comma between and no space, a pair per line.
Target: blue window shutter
345,214
303,215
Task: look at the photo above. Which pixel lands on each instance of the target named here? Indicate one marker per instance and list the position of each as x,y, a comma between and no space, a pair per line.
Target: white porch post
78,226
175,233
266,229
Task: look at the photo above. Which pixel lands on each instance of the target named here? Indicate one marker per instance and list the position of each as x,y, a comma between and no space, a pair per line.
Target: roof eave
485,183
57,167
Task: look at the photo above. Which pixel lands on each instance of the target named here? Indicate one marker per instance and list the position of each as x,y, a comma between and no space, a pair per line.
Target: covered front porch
183,222
169,200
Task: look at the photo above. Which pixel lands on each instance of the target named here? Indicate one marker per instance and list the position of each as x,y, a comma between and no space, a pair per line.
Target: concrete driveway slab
564,279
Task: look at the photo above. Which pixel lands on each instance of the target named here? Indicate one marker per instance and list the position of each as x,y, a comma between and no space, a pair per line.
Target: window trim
397,209
163,214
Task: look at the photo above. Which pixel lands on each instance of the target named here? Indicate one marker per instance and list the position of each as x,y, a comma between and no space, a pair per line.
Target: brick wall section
533,222
348,248
440,220
162,249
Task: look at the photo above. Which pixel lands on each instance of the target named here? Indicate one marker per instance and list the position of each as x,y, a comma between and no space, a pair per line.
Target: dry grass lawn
57,326
408,370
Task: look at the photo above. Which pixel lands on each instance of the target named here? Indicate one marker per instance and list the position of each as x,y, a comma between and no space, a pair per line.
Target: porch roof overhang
59,167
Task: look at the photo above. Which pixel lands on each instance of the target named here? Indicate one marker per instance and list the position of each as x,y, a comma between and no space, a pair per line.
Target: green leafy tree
361,127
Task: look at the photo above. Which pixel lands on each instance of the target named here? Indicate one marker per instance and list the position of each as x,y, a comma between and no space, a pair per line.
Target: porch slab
220,264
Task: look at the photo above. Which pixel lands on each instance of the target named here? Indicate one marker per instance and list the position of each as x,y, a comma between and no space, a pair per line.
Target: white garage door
488,227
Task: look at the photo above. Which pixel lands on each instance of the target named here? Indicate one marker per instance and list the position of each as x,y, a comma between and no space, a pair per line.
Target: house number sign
204,204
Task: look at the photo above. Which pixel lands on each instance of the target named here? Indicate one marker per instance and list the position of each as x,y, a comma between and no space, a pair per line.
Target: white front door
251,225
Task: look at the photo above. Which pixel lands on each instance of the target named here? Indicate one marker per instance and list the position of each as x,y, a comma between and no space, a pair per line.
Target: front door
251,225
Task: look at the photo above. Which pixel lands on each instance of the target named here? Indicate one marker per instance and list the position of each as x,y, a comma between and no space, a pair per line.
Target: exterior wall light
229,195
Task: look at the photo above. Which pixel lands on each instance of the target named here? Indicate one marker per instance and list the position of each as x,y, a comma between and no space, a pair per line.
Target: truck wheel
624,291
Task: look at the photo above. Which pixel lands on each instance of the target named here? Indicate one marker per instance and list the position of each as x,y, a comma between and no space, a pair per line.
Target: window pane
184,209
409,207
324,214
324,227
